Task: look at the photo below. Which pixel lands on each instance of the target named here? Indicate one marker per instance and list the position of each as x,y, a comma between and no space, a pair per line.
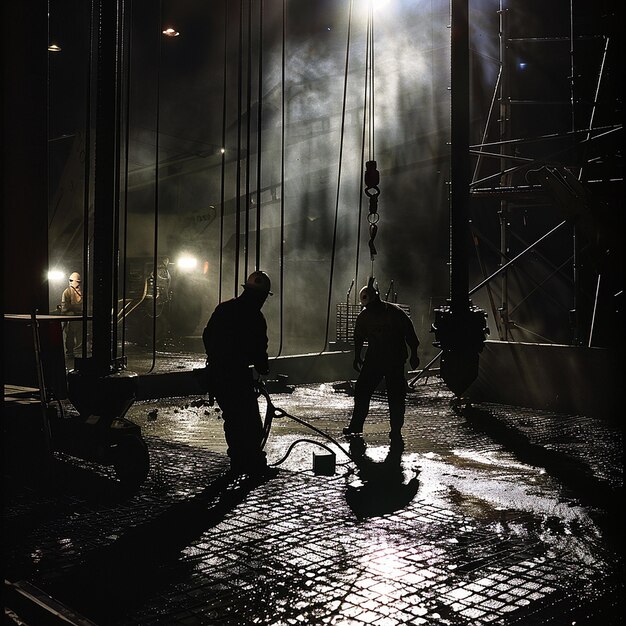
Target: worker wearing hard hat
235,339
72,304
388,330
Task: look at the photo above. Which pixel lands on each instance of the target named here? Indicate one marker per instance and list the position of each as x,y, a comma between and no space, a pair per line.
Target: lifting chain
372,191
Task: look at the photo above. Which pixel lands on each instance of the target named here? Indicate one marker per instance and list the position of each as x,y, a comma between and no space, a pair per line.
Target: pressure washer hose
273,411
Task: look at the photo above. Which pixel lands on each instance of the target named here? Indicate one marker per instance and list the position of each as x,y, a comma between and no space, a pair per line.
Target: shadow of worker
149,557
384,488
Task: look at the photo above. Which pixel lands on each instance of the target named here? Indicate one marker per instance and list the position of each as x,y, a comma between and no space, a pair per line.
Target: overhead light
54,48
171,32
375,4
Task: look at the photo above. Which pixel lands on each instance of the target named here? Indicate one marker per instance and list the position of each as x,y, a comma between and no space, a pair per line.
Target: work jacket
235,337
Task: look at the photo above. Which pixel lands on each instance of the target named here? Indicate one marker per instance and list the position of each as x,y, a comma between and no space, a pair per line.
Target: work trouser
243,427
73,337
370,376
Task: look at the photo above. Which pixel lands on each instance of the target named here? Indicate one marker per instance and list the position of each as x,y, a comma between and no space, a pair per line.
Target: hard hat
368,294
75,278
259,282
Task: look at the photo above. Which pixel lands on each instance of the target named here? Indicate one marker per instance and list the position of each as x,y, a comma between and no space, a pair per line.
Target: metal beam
460,157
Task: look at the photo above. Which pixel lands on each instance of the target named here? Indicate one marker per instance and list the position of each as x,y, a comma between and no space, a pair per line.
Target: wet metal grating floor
498,515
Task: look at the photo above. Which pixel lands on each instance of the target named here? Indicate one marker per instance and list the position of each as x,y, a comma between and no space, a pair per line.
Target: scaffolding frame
563,184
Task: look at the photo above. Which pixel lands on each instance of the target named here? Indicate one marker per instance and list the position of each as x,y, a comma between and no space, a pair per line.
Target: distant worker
235,339
388,330
72,304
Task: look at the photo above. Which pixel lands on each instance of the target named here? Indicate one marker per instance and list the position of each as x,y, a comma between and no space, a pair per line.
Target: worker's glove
414,361
357,364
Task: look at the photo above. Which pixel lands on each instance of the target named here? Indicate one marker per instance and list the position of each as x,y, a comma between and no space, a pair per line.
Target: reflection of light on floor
490,458
316,398
430,568
377,453
498,491
521,504
385,573
386,563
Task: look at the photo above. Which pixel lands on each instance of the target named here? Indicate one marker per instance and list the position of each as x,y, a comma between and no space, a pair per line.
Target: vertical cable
580,172
571,66
343,124
372,108
48,159
155,248
120,27
223,150
248,134
363,132
281,260
257,261
126,167
504,133
87,183
238,176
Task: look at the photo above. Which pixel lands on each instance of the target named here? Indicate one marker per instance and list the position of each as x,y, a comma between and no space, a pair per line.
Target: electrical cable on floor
303,440
273,411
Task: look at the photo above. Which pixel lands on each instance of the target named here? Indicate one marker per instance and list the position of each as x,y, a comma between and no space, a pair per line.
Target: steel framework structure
550,147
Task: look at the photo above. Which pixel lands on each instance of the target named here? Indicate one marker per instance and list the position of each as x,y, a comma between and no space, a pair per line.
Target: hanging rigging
371,178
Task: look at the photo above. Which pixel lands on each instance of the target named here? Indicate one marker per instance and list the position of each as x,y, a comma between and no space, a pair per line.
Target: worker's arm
261,360
66,302
359,340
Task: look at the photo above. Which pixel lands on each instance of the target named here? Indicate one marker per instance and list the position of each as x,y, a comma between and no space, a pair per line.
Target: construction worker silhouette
387,330
235,340
72,304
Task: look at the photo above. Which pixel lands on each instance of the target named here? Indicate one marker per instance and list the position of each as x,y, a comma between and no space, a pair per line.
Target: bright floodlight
171,32
56,276
374,4
187,262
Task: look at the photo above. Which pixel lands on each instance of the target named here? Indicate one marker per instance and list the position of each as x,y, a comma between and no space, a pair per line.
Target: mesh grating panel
346,317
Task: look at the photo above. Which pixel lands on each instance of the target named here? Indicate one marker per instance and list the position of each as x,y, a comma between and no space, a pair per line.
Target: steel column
460,157
105,199
459,328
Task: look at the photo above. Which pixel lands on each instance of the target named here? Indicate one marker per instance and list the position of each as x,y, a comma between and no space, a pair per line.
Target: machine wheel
131,460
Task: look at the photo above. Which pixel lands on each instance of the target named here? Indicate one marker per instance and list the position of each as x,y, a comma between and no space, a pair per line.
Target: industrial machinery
38,420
